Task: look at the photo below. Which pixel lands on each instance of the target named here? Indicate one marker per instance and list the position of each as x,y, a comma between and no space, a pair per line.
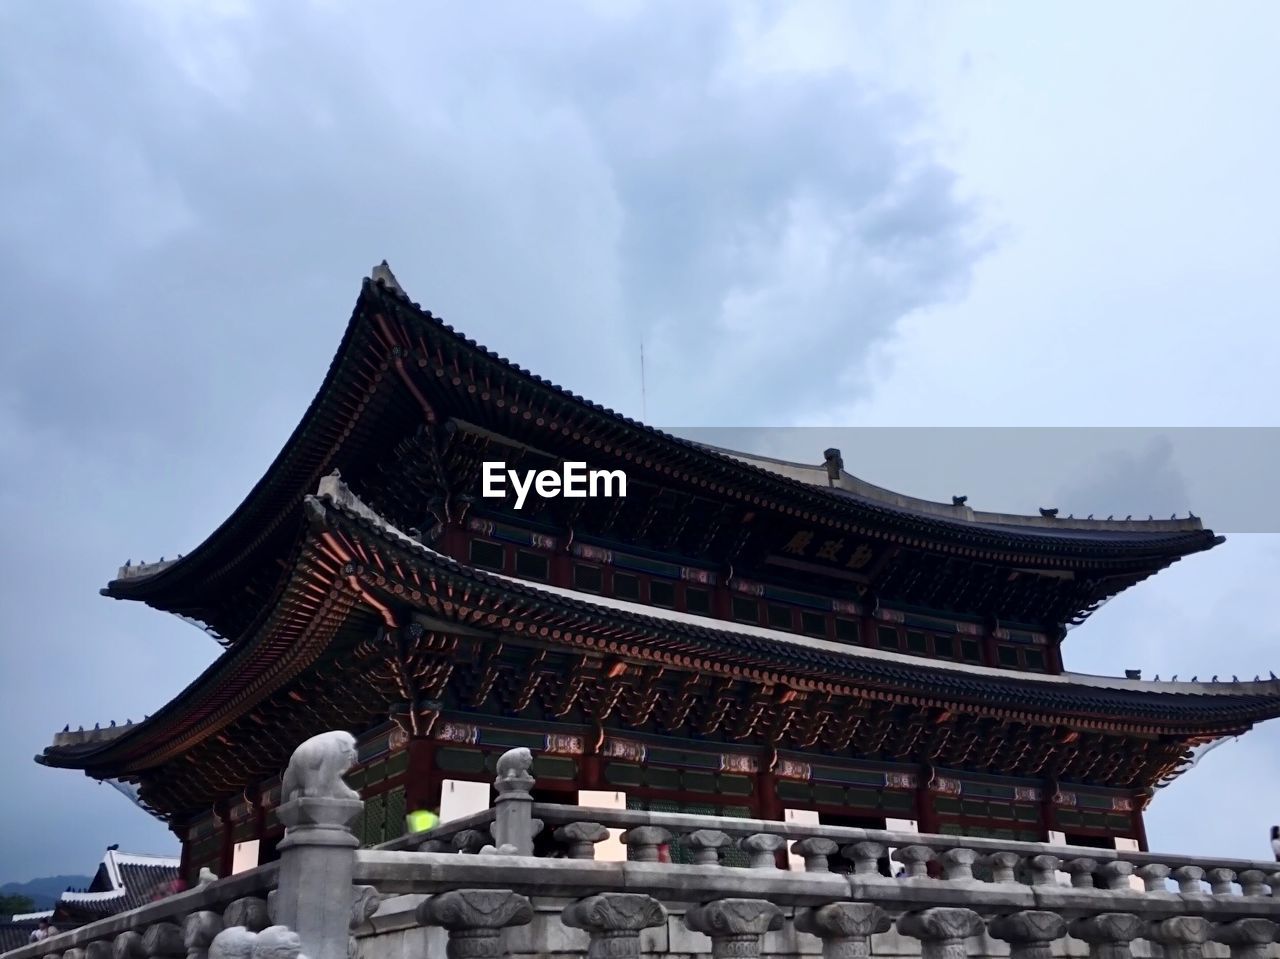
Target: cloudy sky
821,215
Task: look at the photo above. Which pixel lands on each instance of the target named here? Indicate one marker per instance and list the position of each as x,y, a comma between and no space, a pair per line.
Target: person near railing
1275,842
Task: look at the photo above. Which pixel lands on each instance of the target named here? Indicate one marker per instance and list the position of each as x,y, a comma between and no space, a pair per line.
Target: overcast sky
810,214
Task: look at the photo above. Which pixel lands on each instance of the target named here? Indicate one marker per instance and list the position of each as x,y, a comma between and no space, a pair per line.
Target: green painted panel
398,763
699,782
460,760
662,778
622,774
555,767
863,798
861,777
659,756
511,738
828,795
792,790
1087,801
394,825
897,802
732,785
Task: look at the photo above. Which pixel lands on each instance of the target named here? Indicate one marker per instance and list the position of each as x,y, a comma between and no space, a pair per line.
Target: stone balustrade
472,890
179,927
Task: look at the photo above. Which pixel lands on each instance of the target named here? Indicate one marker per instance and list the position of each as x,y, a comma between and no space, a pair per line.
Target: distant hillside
45,892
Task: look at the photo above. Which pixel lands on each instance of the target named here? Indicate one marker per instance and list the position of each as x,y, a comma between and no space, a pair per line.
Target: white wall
611,849
459,798
244,855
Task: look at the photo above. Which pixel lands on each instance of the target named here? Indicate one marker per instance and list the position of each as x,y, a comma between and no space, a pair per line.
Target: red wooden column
422,779
768,805
989,655
259,820
926,811
184,864
590,770
1139,826
1048,789
1053,659
867,626
453,542
223,812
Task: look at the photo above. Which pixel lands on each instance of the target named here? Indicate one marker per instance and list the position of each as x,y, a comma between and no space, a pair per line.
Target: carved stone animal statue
514,763
236,942
317,766
277,942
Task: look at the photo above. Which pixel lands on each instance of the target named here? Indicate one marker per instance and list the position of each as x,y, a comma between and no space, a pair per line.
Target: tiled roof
330,435
123,882
16,932
1071,692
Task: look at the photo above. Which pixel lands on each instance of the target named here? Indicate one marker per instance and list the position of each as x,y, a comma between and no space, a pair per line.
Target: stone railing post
614,921
1109,934
475,919
128,945
1003,866
471,841
98,950
845,928
704,846
762,849
1153,876
866,857
163,941
816,853
198,930
1247,938
1190,880
1183,937
1028,933
736,926
1115,874
249,912
513,809
1253,882
642,842
1044,869
1220,881
942,931
1081,872
916,859
317,853
957,865
581,838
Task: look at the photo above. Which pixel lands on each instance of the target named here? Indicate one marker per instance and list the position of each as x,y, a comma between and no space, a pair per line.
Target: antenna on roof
644,413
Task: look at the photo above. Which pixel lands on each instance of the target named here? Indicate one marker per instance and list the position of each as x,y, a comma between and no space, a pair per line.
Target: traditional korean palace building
736,635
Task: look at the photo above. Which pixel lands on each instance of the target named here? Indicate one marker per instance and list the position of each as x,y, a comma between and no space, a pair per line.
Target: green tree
16,905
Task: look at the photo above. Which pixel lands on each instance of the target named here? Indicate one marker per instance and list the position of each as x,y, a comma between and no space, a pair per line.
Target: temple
735,635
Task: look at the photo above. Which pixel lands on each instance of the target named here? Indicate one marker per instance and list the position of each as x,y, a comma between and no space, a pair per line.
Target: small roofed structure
123,881
15,931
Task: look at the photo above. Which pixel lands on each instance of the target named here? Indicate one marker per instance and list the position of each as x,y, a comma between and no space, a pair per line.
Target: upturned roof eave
280,488
105,758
